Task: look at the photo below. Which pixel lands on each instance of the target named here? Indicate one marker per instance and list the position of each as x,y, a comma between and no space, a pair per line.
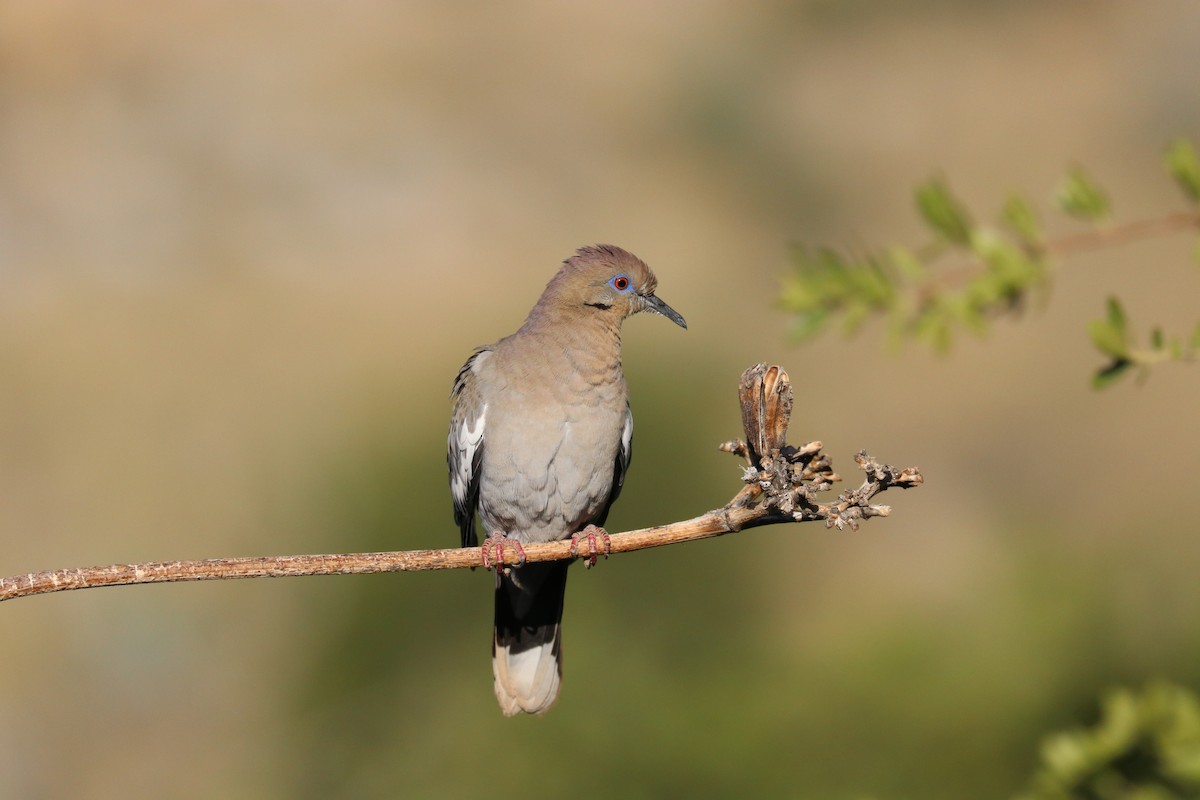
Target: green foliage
1112,338
1184,166
899,282
828,283
996,270
1107,375
1021,218
1080,197
1110,335
1146,746
943,212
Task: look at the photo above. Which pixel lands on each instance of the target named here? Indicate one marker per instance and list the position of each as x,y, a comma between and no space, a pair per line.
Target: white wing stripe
469,436
627,436
467,442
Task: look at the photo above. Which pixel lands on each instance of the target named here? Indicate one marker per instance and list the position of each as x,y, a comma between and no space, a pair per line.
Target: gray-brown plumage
540,439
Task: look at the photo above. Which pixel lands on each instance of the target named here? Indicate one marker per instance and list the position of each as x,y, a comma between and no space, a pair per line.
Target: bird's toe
591,533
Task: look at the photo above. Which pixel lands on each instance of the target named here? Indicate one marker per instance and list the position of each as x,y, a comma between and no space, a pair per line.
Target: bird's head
608,281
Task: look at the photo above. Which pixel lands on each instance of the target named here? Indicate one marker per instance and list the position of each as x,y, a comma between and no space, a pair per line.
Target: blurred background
244,248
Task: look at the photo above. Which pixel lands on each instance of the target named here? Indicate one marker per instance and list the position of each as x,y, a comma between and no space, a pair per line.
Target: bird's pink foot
590,533
492,551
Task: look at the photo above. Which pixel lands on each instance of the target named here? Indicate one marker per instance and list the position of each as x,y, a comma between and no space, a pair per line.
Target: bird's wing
464,444
624,456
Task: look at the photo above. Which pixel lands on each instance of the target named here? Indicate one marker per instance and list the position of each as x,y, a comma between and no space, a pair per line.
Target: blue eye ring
621,283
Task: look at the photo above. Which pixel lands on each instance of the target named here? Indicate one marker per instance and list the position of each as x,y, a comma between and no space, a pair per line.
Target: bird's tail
527,643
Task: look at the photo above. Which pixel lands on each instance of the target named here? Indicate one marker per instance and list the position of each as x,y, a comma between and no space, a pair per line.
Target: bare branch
781,484
1120,234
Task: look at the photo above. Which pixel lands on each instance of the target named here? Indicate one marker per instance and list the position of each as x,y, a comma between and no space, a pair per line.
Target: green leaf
1184,166
1157,342
933,325
815,282
1066,756
1019,215
872,284
1011,265
985,291
1122,722
969,314
797,295
1108,339
943,213
1080,197
1116,314
1108,375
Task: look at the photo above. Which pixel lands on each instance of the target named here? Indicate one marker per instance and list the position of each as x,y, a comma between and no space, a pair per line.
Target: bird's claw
497,541
590,533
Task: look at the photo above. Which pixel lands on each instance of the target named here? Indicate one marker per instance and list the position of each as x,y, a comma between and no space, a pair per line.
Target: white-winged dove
540,438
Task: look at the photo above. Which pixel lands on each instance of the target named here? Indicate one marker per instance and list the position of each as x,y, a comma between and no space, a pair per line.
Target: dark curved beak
659,307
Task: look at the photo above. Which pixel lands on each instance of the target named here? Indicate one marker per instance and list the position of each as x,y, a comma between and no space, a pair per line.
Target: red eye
620,283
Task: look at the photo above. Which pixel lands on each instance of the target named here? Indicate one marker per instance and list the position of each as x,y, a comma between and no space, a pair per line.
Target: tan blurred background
244,248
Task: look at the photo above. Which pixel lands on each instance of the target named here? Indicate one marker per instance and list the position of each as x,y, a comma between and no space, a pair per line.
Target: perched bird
540,438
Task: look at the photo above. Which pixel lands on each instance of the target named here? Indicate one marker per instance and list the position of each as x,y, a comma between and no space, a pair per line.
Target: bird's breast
549,465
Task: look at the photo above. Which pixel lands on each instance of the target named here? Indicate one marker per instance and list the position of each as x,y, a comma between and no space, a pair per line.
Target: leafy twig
1005,264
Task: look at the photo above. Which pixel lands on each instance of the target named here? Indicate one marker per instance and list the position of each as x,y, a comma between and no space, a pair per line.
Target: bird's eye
620,283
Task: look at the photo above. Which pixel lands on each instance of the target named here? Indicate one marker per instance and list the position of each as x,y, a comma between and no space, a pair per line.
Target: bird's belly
547,481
